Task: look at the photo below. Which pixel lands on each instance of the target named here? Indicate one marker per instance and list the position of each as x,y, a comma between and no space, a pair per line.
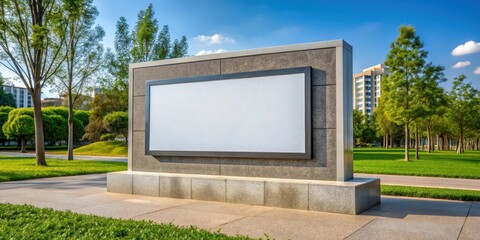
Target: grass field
424,192
435,164
102,148
27,222
13,168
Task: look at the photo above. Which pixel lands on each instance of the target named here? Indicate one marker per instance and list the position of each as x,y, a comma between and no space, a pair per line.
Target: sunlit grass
436,164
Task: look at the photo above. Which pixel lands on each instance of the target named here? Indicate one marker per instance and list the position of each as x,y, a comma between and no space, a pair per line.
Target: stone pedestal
349,197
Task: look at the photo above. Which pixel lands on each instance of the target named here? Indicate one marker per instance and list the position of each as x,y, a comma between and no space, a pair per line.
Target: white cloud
461,64
477,70
467,48
205,52
214,39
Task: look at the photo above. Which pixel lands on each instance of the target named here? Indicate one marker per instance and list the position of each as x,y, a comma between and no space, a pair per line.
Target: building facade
367,88
22,97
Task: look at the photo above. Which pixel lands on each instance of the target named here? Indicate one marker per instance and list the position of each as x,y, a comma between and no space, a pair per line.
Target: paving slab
471,228
394,218
417,219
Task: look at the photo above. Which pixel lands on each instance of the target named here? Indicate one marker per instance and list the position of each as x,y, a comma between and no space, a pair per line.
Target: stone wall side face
321,167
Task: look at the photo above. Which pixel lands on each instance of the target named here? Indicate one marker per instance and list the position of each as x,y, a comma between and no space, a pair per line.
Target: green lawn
435,164
27,222
102,148
13,168
423,192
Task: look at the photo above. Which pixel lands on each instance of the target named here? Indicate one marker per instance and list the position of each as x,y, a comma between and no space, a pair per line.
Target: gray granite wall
323,166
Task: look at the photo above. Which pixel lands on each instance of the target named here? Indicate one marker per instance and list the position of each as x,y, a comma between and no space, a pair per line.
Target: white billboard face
256,114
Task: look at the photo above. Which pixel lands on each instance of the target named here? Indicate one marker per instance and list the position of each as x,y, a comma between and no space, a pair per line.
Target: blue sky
369,26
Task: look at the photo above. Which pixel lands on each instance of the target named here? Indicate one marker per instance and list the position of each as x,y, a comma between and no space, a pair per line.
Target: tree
32,36
84,55
55,128
431,98
405,60
6,99
144,35
117,123
143,44
464,108
4,111
20,125
363,129
383,125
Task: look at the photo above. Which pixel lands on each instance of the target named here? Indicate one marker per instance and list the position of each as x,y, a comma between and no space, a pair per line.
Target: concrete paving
64,157
457,183
394,218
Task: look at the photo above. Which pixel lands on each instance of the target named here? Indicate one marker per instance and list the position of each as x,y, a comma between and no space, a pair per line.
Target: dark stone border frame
308,115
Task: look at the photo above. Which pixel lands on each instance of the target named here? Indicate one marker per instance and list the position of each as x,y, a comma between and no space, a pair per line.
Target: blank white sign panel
264,114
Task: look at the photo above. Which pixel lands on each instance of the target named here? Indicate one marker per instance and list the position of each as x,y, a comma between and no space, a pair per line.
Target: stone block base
350,197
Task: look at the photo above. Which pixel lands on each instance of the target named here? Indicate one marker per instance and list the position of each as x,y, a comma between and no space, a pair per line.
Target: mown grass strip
101,148
22,168
28,222
425,192
436,164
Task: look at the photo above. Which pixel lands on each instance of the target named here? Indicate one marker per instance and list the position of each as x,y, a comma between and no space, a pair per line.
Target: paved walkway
458,183
394,218
64,157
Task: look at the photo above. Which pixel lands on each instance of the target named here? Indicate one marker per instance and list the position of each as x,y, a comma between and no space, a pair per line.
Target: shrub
107,137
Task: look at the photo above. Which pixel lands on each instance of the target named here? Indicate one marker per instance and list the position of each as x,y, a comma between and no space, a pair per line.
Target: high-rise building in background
367,88
22,97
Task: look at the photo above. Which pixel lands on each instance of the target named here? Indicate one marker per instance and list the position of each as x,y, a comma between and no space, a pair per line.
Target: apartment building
22,97
367,88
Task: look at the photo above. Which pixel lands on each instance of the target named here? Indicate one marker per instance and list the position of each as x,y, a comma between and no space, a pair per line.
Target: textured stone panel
246,192
146,184
321,59
202,68
367,195
323,106
138,113
210,189
119,182
332,198
148,163
286,194
175,187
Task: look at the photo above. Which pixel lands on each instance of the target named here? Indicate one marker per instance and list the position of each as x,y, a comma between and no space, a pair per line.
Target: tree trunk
437,142
416,143
477,144
70,126
407,140
391,141
39,136
460,148
23,147
429,140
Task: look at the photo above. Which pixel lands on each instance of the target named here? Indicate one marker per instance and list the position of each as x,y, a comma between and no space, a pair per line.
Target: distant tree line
413,109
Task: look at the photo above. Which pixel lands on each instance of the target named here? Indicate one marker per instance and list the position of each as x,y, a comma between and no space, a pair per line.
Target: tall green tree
84,57
32,36
144,35
20,125
384,126
4,111
405,60
144,43
463,110
431,98
117,123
